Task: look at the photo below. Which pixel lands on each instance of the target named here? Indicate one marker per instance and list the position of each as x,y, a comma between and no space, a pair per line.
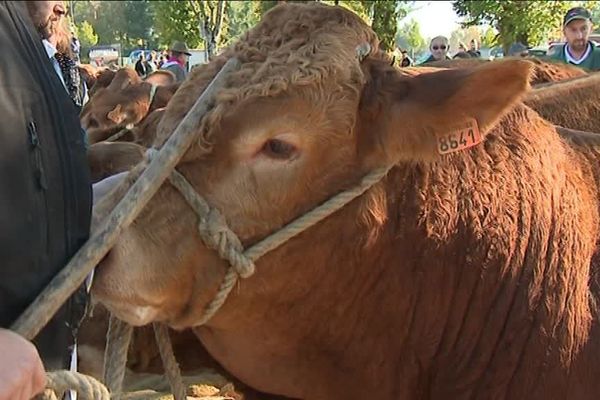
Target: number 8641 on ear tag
460,138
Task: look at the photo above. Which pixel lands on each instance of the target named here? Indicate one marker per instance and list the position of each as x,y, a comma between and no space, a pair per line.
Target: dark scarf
71,76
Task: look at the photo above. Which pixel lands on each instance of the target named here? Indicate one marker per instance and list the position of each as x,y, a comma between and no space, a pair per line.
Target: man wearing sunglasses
439,49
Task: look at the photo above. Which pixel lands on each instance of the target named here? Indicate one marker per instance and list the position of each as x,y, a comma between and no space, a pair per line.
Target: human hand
22,374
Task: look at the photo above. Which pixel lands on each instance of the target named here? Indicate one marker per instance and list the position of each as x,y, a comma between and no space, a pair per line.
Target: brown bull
125,101
459,276
103,79
90,74
106,159
143,133
574,103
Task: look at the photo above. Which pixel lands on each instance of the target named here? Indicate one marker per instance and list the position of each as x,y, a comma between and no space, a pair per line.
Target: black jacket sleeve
45,191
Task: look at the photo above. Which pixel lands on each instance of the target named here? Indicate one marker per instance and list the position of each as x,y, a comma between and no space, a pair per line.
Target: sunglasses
442,47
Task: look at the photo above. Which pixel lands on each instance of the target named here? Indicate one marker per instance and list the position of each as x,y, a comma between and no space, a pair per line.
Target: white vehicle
198,56
104,56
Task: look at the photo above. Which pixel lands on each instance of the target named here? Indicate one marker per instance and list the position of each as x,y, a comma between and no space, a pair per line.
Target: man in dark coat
45,194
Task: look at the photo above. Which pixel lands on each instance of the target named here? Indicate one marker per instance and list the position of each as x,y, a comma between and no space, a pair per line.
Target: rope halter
218,236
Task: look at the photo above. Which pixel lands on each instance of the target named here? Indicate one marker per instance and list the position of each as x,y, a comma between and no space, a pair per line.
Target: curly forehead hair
295,47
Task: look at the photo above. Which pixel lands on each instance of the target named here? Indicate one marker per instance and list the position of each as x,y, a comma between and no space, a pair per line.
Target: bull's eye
279,149
92,123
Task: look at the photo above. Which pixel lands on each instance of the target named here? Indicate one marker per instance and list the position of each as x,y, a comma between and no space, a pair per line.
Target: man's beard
578,45
47,28
57,30
51,27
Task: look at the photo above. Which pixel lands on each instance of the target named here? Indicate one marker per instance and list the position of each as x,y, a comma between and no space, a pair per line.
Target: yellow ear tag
460,138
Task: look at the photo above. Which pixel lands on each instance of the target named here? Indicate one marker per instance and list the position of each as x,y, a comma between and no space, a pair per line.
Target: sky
435,18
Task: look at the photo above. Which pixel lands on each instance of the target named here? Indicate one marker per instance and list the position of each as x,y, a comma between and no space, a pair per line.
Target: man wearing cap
177,61
579,50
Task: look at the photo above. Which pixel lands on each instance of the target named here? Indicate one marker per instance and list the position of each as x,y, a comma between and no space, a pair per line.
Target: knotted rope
216,234
31,321
87,387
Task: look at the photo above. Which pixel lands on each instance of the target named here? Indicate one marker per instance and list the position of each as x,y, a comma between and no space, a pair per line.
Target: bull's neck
586,155
497,245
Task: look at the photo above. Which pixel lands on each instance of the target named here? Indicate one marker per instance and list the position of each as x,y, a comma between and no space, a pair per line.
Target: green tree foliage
200,23
241,16
153,24
361,8
139,17
266,5
210,17
109,21
385,23
86,35
594,7
409,37
382,15
129,23
528,22
176,20
465,35
84,10
489,38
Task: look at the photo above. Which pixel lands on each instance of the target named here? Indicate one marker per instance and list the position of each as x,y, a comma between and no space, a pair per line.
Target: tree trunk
523,38
210,26
505,40
217,27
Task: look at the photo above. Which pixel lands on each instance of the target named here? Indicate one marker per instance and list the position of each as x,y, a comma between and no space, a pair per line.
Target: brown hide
457,63
106,159
572,104
103,79
125,101
462,276
544,70
145,133
143,353
90,75
587,145
547,71
143,356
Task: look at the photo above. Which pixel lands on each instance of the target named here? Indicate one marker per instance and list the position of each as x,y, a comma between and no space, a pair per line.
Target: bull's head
124,101
304,118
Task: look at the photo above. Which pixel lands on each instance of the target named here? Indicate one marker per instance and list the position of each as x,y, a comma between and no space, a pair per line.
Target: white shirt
570,58
51,51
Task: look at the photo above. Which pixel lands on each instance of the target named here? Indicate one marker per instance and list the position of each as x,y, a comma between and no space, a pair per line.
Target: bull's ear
117,114
406,118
